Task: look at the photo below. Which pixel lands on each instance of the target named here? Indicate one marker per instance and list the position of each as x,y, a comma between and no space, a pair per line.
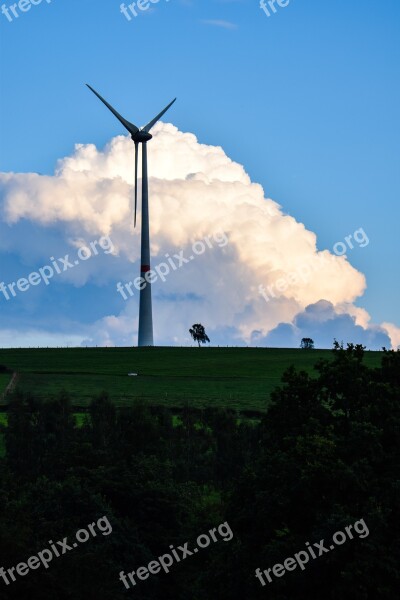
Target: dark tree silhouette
198,333
307,344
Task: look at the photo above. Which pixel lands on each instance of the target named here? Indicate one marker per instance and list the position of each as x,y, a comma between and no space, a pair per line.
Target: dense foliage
326,454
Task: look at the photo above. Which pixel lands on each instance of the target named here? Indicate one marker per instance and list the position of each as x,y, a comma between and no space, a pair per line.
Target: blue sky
307,100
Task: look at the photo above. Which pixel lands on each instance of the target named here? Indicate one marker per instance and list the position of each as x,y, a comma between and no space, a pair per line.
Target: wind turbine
141,136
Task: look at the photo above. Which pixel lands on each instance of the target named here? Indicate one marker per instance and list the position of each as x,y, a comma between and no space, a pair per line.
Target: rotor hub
141,136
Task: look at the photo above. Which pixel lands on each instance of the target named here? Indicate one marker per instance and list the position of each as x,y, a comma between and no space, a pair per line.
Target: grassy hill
241,378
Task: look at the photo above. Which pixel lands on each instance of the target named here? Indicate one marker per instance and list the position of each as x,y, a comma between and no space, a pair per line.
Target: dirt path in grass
10,386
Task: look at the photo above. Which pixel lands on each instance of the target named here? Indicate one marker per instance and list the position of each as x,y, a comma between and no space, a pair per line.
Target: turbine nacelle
141,136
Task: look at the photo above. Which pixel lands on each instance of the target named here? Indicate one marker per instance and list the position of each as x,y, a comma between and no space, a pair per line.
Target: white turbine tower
141,136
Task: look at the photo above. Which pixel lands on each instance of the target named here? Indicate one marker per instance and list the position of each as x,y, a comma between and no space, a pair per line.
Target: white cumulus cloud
195,191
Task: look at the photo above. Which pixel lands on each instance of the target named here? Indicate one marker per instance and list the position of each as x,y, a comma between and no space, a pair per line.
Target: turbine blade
147,127
129,126
136,172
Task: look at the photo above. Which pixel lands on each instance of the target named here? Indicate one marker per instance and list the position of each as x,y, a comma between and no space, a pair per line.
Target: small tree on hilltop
307,344
198,333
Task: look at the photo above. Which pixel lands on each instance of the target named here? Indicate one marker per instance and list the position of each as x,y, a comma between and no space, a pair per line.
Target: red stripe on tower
144,268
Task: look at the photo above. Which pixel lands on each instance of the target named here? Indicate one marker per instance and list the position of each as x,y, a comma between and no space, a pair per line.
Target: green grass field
240,378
